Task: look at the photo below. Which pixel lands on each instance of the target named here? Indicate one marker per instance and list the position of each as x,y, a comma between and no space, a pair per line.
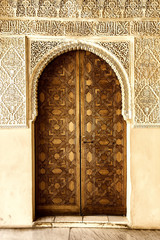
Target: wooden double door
80,138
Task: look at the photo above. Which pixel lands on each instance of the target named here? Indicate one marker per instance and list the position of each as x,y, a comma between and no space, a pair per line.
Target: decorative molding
79,28
145,28
81,8
12,82
64,28
147,82
94,48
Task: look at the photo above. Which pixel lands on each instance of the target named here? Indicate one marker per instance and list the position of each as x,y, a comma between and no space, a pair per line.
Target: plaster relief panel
145,28
12,82
39,49
25,8
120,49
79,28
153,8
112,9
64,28
46,8
133,8
80,8
68,8
147,82
90,8
7,8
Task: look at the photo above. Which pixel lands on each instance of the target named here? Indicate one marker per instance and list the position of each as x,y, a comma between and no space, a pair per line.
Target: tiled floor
78,234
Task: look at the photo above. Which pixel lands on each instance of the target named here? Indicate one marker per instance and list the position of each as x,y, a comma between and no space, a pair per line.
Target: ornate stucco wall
126,33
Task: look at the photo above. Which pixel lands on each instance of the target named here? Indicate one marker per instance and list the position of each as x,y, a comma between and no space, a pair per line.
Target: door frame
124,80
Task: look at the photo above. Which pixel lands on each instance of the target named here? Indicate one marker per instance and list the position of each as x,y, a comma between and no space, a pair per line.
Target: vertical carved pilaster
12,82
147,81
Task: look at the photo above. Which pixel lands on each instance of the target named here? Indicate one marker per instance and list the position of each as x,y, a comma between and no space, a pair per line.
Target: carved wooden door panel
80,138
103,130
57,138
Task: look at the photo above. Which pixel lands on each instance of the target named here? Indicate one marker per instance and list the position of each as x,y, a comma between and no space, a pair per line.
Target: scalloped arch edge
100,51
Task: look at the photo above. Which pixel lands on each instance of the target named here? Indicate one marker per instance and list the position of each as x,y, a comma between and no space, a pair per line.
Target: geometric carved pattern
57,148
57,137
7,8
153,8
80,8
12,82
90,9
25,8
103,141
147,81
112,9
133,8
47,8
39,49
120,50
68,8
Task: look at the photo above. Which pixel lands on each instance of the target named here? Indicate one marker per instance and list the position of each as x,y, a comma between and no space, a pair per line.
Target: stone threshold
82,221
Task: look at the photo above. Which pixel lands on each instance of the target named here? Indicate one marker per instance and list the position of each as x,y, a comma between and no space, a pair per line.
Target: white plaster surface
145,177
15,177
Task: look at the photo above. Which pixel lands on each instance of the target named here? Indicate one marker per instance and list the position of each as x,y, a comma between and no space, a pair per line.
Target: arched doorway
80,138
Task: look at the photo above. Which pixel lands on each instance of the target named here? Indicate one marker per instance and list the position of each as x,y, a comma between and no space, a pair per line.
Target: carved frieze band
147,82
79,28
12,82
56,49
80,8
